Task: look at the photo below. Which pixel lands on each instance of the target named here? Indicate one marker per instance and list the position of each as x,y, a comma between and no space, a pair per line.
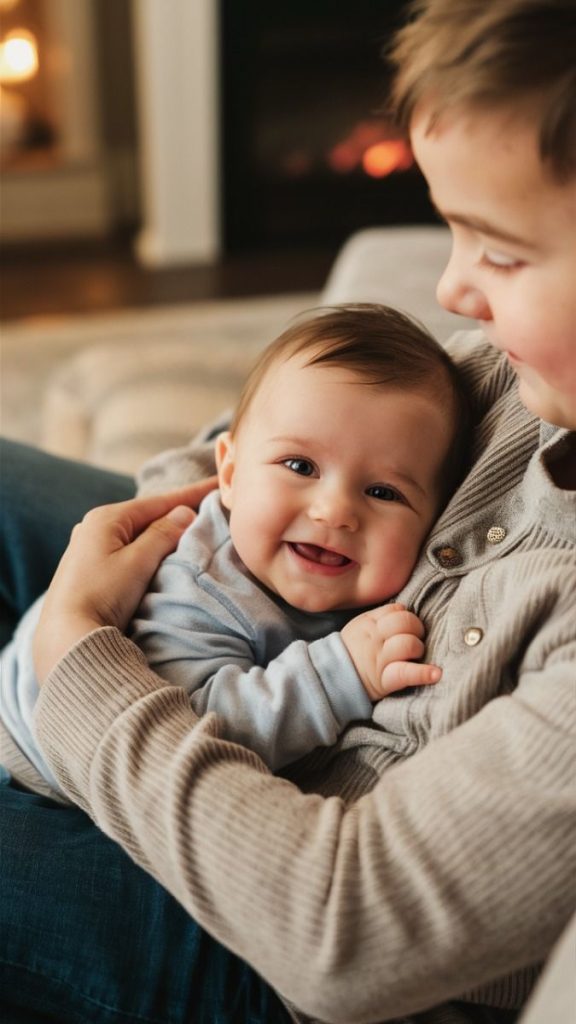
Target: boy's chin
548,405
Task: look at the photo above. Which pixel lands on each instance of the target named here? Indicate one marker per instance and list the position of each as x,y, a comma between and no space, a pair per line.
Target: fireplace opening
307,153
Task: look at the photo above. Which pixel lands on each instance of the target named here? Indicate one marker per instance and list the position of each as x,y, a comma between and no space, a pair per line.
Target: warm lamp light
18,57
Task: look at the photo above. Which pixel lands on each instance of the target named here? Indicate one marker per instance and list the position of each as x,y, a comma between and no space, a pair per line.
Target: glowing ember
343,158
384,157
368,147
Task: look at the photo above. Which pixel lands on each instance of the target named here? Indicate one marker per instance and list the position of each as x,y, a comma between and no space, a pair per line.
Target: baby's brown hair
493,54
383,348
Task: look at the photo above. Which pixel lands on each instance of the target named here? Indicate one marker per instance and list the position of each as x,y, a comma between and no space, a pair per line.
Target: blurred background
161,151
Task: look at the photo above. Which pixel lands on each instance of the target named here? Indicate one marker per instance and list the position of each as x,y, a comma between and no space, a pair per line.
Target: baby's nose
335,509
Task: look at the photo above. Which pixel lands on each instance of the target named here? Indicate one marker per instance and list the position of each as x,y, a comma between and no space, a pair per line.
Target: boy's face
513,262
332,485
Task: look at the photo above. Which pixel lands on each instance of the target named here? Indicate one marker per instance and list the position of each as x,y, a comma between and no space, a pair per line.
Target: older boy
433,867
256,613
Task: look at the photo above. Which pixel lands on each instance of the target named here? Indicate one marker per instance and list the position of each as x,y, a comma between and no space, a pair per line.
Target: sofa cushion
398,266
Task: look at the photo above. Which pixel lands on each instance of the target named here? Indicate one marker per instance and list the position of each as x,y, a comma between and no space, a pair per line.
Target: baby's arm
209,641
382,643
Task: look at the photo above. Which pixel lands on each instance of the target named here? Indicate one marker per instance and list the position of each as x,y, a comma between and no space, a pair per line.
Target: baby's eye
301,466
383,493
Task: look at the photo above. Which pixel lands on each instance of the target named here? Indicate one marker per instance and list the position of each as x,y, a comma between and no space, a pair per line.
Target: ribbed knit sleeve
454,870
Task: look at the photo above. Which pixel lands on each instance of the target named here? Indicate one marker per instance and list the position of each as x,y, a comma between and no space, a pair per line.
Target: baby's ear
225,466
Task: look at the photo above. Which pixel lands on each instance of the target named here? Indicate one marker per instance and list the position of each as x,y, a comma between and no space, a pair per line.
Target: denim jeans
43,497
86,936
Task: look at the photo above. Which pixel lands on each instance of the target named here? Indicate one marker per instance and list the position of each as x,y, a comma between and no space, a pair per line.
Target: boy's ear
225,466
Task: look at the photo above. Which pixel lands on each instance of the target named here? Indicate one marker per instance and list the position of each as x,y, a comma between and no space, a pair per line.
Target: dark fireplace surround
307,154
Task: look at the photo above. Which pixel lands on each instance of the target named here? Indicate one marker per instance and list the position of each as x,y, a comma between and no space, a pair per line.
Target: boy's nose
334,509
458,295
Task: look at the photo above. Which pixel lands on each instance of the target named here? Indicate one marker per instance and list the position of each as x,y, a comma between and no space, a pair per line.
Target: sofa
118,403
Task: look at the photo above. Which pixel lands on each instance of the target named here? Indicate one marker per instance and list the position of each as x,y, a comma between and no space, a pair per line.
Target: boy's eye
301,466
383,493
498,261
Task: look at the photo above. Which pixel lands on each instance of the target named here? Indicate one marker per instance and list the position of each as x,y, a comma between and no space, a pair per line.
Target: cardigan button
448,557
473,636
495,534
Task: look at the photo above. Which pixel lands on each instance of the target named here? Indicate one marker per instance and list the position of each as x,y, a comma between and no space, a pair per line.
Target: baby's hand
382,644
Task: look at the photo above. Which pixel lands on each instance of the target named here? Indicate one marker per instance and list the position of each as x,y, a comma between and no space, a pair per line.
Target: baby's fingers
395,619
401,647
399,675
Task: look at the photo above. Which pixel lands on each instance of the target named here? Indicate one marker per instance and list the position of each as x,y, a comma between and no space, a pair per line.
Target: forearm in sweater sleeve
453,871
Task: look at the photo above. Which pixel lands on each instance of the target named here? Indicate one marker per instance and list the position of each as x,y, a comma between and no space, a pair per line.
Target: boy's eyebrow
483,226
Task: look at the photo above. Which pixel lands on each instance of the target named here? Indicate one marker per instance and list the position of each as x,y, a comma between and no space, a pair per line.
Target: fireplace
307,153
214,126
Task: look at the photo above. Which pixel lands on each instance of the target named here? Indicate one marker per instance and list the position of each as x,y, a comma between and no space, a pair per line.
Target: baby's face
332,485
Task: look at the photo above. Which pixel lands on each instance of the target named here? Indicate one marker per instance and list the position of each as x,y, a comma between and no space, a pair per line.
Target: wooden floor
98,277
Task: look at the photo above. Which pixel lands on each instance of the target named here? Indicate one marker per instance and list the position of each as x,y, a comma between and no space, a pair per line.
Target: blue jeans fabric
43,497
86,936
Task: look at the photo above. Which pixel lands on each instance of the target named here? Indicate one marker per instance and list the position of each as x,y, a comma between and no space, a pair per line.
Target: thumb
158,540
181,516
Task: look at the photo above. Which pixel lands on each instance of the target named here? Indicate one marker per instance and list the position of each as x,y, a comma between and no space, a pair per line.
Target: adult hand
112,555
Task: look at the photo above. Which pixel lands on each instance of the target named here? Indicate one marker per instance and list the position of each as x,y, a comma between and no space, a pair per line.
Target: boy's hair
489,54
383,348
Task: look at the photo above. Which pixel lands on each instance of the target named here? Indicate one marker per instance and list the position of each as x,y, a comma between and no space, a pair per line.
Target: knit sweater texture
427,859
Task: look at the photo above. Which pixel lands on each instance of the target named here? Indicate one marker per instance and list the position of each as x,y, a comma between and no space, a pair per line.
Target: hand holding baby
383,644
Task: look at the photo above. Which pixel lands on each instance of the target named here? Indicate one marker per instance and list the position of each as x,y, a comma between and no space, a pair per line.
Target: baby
347,440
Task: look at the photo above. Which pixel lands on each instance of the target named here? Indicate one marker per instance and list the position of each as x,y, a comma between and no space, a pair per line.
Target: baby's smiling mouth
322,556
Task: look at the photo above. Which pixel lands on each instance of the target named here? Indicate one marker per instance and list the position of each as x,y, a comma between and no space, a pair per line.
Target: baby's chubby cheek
394,569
